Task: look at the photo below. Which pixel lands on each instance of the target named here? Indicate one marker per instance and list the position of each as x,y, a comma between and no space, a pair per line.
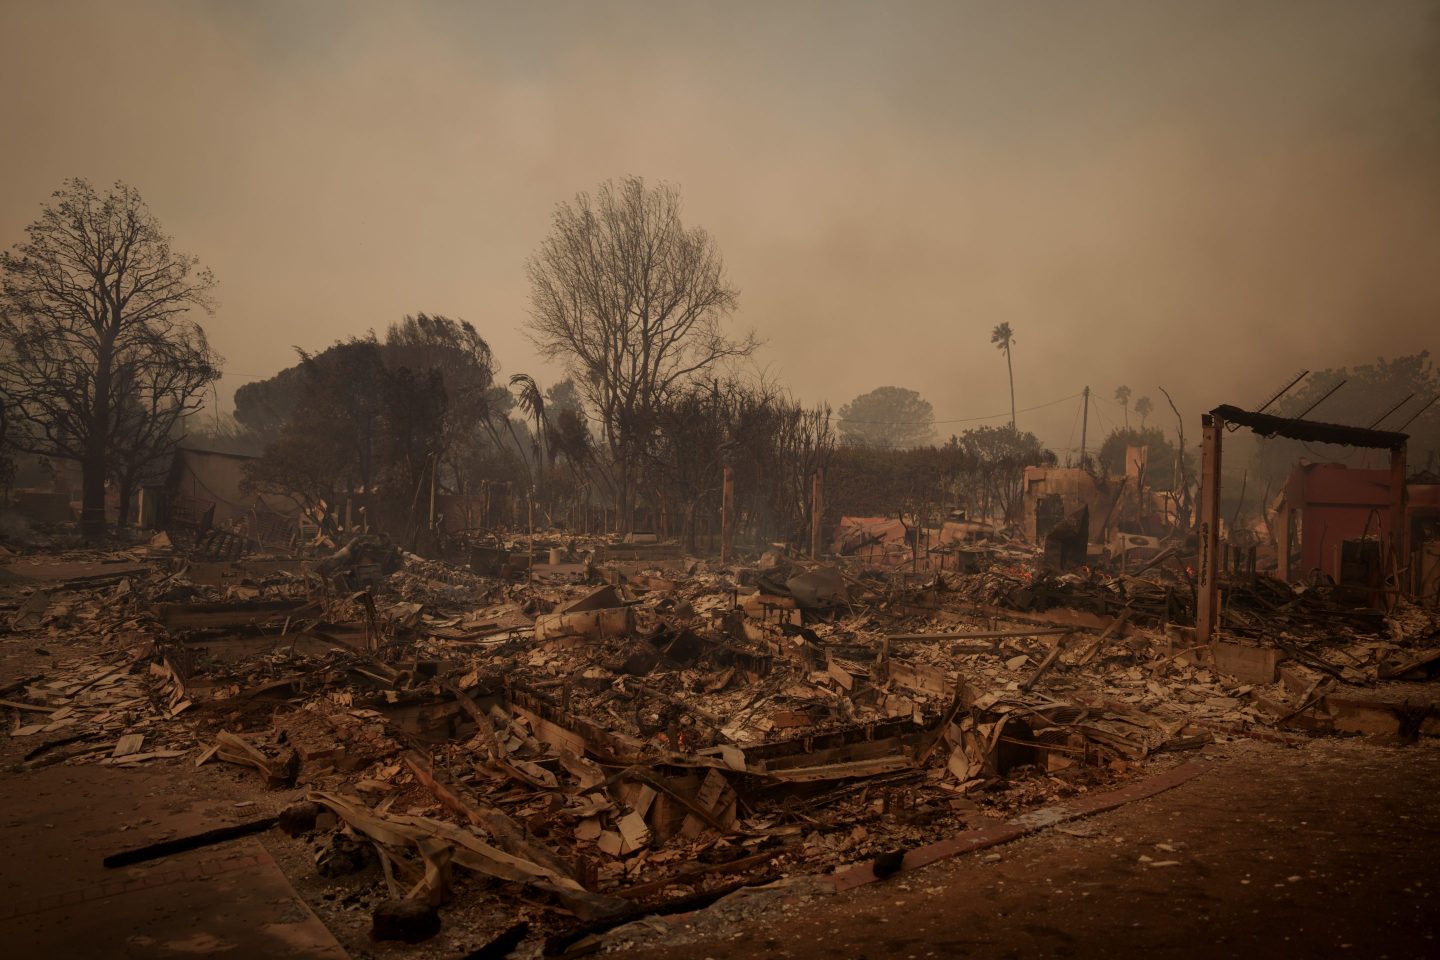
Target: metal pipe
1325,397
1417,413
1397,406
1286,389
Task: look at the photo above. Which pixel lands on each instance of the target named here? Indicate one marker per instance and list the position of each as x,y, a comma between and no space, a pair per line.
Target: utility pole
1207,564
1084,426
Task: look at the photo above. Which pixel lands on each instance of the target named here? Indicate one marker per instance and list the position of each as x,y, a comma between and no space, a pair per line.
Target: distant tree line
417,409
103,363
631,302
980,472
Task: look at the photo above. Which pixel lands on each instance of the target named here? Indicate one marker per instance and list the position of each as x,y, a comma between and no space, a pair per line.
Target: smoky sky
1209,196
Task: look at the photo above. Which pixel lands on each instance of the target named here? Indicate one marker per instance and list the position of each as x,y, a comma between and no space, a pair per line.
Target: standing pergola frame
1207,607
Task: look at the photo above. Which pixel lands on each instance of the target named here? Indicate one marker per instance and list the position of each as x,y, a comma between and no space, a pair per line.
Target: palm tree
1003,337
1143,406
532,401
1122,396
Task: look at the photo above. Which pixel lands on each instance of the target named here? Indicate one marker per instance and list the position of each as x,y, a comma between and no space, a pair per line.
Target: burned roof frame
1313,431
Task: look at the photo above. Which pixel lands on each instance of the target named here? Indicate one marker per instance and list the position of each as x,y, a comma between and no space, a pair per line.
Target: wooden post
433,461
914,536
1282,541
1208,587
817,509
727,515
1399,535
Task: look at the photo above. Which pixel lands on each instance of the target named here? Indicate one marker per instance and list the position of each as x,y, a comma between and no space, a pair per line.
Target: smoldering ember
813,480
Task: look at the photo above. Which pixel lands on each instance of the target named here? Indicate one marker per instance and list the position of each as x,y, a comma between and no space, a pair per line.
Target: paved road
1332,850
56,900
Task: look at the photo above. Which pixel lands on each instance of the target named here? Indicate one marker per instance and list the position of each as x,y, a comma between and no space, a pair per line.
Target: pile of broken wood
675,730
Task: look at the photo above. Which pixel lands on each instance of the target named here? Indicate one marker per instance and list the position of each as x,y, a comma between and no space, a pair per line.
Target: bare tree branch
633,302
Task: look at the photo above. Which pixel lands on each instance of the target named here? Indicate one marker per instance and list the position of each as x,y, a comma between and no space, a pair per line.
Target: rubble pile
1255,605
620,733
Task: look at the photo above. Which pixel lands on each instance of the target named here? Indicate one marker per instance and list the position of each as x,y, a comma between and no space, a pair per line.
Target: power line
1104,420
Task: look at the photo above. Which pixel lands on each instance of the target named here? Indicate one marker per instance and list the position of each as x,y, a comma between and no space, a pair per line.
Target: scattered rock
408,920
301,818
343,855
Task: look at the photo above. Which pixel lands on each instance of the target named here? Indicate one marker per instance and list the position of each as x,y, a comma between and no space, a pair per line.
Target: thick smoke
1205,196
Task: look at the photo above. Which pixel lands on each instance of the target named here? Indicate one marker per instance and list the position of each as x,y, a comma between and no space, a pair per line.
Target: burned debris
489,721
587,741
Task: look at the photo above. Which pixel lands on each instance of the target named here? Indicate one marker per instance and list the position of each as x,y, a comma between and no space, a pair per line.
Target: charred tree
632,300
95,290
154,397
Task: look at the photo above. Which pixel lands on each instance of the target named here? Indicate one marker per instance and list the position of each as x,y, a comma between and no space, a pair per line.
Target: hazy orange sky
1208,196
